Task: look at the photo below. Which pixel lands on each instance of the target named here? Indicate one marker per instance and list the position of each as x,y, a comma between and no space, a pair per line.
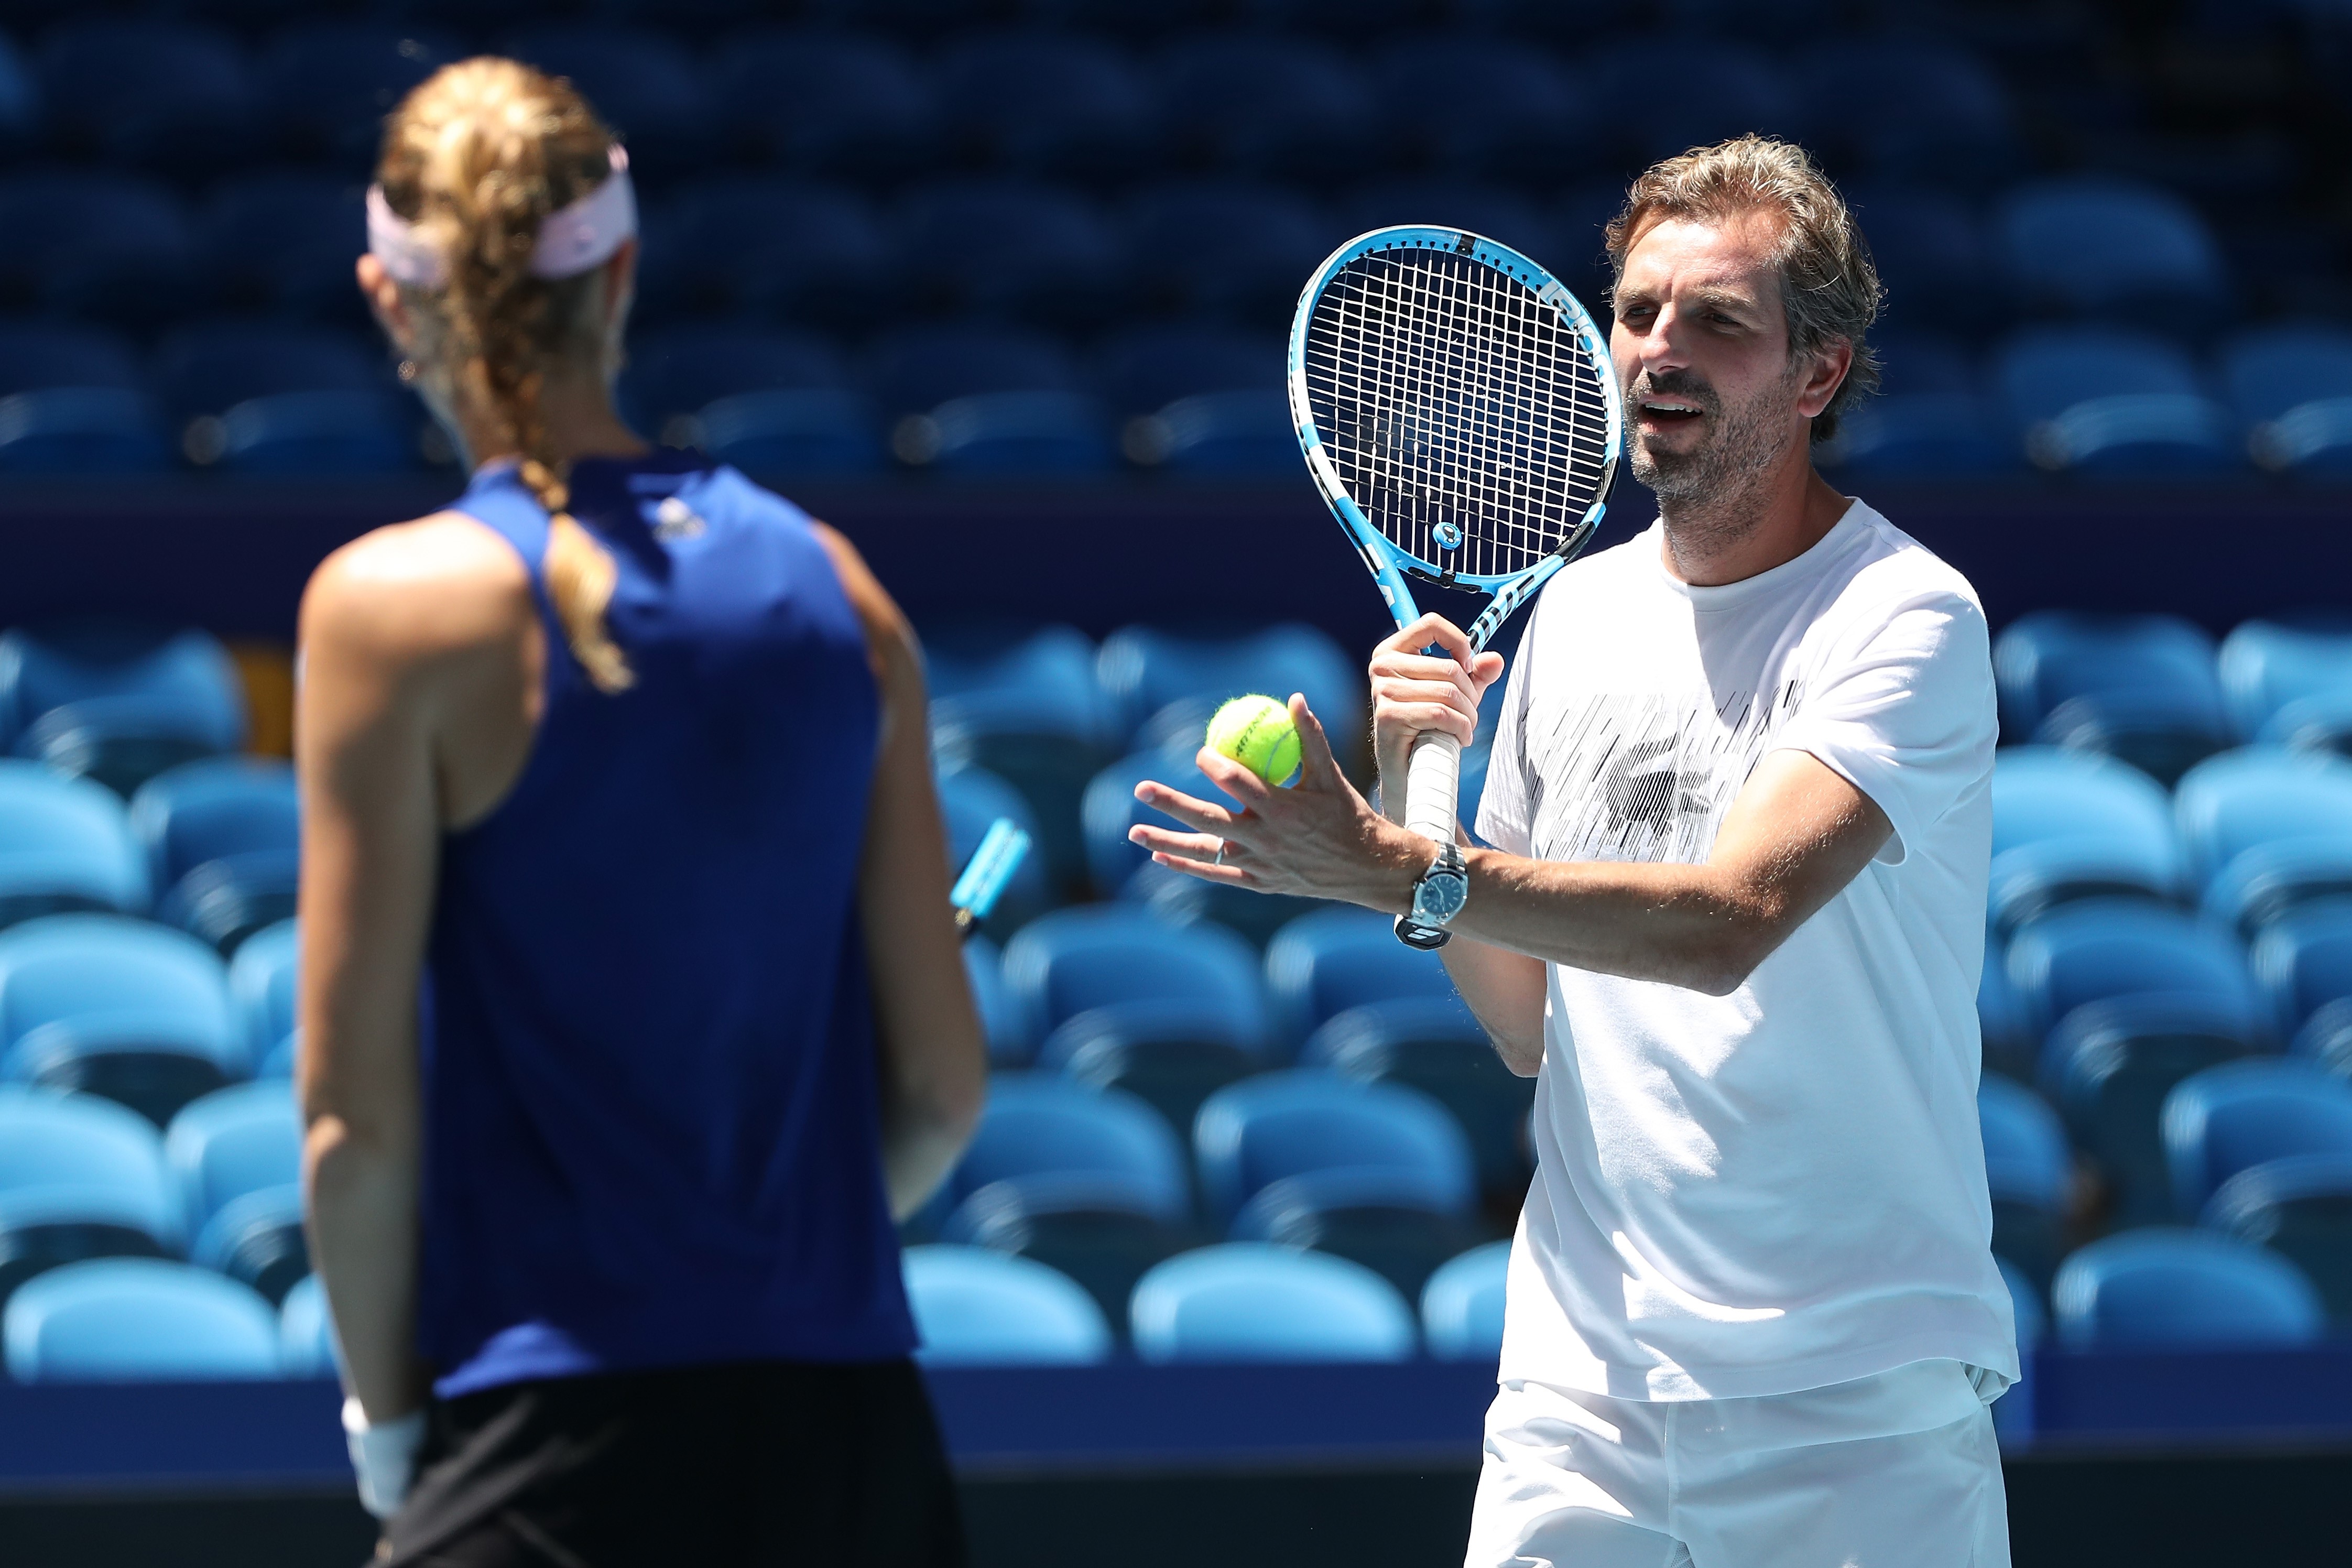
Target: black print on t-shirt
1642,776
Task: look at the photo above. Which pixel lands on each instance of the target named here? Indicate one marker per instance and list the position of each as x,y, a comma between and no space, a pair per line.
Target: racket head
1456,406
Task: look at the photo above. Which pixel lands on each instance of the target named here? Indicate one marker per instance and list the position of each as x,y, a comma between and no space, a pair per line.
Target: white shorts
1900,1470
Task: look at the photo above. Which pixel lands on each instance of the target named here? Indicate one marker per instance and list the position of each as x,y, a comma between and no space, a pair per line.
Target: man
1733,913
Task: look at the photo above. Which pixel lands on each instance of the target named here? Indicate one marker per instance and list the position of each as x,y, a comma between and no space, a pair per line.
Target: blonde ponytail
477,156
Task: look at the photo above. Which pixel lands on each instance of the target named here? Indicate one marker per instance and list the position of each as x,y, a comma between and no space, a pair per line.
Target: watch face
1440,897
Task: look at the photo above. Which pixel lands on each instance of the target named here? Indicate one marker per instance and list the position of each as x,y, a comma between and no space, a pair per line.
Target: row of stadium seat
1188,396
184,97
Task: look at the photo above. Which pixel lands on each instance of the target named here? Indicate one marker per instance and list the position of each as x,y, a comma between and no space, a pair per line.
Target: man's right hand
1414,691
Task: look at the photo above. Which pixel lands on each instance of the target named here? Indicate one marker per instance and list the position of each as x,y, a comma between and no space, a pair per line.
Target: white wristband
383,1457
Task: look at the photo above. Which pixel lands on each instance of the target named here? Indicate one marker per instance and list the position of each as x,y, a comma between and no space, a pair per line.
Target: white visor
571,240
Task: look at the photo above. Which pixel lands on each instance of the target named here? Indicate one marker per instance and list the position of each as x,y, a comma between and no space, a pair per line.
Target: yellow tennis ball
1257,732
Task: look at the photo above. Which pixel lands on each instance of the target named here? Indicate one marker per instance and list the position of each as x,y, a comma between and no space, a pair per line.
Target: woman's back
648,1046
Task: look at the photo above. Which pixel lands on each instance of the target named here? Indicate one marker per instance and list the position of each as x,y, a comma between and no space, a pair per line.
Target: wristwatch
1437,898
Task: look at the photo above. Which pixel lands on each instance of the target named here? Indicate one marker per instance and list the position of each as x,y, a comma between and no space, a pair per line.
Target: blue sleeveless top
651,1133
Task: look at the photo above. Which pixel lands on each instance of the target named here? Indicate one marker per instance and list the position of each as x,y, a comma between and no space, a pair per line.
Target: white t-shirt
1784,1187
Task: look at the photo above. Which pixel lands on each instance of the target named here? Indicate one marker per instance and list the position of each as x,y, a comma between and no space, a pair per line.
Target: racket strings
1462,414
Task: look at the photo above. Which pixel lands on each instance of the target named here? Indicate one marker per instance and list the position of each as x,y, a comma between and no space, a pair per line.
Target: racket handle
1433,784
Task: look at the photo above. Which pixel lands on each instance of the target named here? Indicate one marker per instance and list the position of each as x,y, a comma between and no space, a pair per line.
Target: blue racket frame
1391,567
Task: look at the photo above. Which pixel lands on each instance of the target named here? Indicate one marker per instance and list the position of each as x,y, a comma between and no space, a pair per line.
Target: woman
632,1002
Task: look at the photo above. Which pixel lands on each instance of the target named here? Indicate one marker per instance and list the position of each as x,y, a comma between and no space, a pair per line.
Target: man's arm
934,1059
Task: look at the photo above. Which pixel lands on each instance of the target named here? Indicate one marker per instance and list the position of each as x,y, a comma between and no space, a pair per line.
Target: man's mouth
1668,410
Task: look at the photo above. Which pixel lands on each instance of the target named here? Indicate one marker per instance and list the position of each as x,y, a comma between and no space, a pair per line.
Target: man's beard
1746,441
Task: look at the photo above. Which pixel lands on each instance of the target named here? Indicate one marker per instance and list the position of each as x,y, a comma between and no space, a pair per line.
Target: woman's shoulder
431,587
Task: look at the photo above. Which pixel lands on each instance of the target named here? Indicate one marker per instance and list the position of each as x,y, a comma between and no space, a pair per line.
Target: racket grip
1433,784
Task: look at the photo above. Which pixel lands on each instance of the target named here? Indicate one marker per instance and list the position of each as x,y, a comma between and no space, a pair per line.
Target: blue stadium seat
1284,1124
237,1156
1044,102
1008,245
1025,707
2030,1171
1728,89
1531,120
222,837
2142,688
101,246
1171,1052
2292,383
1216,435
1110,808
328,82
2299,1206
994,434
172,94
1075,961
2303,960
1248,1302
20,102
1236,249
977,1308
973,799
803,432
2230,1118
1907,107
138,1319
2241,799
281,242
2090,243
915,369
1930,417
1148,672
263,398
2178,1287
306,1333
826,101
1912,359
1939,433
1495,211
1143,369
1400,1222
2280,678
2111,401
118,1007
2012,1414
2073,825
766,401
79,1177
1089,1181
2141,997
2326,1038
2011,1044
38,354
65,845
1339,957
261,989
1462,1305
1263,103
984,968
643,82
72,401
788,248
117,703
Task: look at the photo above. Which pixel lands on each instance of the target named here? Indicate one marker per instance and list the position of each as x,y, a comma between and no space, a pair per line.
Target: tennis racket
987,874
1458,408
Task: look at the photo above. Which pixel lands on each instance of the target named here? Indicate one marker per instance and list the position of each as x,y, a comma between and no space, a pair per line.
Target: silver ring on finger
1220,854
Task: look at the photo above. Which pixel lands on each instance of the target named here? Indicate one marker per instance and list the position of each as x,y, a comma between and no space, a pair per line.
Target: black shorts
763,1462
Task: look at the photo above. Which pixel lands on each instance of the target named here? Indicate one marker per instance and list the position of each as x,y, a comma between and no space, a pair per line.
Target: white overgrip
1433,784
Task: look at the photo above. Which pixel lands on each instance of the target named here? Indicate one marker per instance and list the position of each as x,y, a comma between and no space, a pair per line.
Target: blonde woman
632,1005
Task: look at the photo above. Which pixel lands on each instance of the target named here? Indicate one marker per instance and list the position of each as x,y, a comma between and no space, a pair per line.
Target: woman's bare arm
419,654
934,1060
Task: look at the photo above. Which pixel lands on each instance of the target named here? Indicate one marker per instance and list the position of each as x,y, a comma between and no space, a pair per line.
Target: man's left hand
1319,839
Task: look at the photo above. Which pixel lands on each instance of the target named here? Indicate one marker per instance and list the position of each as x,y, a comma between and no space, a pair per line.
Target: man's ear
1830,363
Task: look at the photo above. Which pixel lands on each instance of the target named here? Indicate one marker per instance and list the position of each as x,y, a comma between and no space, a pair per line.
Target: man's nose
1661,347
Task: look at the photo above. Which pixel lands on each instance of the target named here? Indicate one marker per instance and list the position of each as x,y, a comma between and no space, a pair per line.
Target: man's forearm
1695,926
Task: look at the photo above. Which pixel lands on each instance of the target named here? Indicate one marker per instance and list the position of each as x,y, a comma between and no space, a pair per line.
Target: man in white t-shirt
1733,910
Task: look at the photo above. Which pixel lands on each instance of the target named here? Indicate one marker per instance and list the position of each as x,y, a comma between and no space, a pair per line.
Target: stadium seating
2302,959
237,1154
973,799
2255,797
915,370
1262,103
2283,679
1726,90
2292,385
1045,103
760,245
1226,247
80,1178
118,1007
2177,1287
826,101
306,1335
2073,824
2093,244
2228,1120
1907,107
2142,688
2300,1207
120,1320
995,245
261,990
72,401
1248,1302
2029,1170
1340,957
1462,1305
2107,401
976,1307
1109,808
259,398
169,95
65,845
1147,673
103,246
282,243
224,846
36,355
1531,119
639,78
330,80
1041,1124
